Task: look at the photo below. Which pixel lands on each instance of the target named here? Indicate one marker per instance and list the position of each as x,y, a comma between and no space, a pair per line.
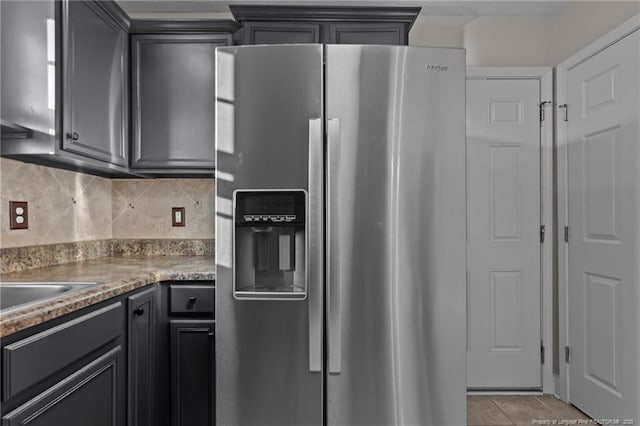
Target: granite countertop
114,275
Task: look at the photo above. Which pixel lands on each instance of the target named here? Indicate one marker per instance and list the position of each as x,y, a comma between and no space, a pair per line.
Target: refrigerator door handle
334,311
315,242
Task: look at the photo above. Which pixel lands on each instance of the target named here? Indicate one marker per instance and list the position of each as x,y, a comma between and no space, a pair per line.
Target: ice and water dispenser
270,244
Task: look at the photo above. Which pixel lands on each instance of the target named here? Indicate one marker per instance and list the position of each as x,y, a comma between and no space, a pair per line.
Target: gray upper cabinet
64,75
320,24
95,95
281,33
368,33
173,101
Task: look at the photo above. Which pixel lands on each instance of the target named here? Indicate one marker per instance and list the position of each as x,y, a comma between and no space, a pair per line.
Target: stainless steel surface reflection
380,340
19,295
396,310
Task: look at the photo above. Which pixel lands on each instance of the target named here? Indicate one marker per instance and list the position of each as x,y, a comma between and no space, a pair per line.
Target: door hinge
542,231
541,353
567,354
566,234
565,109
542,105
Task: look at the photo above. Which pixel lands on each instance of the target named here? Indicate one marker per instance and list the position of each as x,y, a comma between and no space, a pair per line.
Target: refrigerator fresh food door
396,308
269,161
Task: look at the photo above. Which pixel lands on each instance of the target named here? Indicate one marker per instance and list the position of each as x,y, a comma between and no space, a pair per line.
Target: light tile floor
518,410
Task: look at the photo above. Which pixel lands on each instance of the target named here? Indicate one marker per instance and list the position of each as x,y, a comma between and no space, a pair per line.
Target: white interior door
503,148
603,97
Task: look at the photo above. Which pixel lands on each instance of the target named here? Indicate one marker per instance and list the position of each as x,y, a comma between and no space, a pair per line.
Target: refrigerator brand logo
438,68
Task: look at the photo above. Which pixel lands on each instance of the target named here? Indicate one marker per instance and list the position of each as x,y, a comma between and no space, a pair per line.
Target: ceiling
218,8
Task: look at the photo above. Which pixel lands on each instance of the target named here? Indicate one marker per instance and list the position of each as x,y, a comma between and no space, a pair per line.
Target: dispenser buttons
269,217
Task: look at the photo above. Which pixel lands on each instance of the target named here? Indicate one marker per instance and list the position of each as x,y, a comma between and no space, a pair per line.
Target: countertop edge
41,312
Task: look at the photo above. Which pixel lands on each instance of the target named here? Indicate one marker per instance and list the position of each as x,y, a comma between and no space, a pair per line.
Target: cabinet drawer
86,397
192,299
28,361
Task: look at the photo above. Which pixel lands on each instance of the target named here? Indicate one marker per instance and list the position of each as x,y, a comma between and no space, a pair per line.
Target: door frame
545,76
562,384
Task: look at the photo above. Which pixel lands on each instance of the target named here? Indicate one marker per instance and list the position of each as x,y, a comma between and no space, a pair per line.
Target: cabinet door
368,33
192,372
95,95
141,351
90,396
281,33
174,100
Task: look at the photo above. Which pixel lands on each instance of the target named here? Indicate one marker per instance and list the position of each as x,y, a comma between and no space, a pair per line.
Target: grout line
513,422
569,406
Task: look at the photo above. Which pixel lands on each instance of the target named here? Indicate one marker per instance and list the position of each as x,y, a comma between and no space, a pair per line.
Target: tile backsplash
142,208
66,206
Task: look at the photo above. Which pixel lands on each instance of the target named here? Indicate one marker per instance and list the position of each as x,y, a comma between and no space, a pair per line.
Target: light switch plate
177,216
18,215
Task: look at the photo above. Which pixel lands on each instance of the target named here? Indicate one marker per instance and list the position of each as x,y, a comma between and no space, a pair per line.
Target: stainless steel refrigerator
340,235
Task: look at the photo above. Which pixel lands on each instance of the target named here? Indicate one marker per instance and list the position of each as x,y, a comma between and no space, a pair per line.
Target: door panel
173,79
367,33
281,33
503,148
266,97
89,396
96,94
192,372
395,273
603,134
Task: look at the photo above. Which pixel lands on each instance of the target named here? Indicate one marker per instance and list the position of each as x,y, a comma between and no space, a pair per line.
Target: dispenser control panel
270,244
254,207
277,218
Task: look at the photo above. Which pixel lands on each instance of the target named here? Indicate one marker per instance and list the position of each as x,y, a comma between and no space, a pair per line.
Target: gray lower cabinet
68,373
141,351
87,397
192,372
173,98
95,122
146,358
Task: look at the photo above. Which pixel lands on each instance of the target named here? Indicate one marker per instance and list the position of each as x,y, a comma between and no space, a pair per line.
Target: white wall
438,31
509,41
581,23
524,40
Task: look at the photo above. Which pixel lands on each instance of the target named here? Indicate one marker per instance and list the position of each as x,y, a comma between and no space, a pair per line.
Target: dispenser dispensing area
270,244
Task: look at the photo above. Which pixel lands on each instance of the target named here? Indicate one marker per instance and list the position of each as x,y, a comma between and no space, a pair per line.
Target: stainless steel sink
17,295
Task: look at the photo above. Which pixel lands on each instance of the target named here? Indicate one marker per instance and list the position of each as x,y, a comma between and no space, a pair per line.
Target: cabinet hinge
566,234
567,354
542,105
541,353
542,231
565,109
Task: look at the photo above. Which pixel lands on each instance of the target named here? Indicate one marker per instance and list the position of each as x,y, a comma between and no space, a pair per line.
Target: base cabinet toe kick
144,358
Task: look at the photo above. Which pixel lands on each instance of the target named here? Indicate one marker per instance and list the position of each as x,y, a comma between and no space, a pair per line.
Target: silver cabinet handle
315,242
334,310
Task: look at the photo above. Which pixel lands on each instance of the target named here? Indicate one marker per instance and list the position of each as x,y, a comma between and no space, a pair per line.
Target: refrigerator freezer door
269,137
396,236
